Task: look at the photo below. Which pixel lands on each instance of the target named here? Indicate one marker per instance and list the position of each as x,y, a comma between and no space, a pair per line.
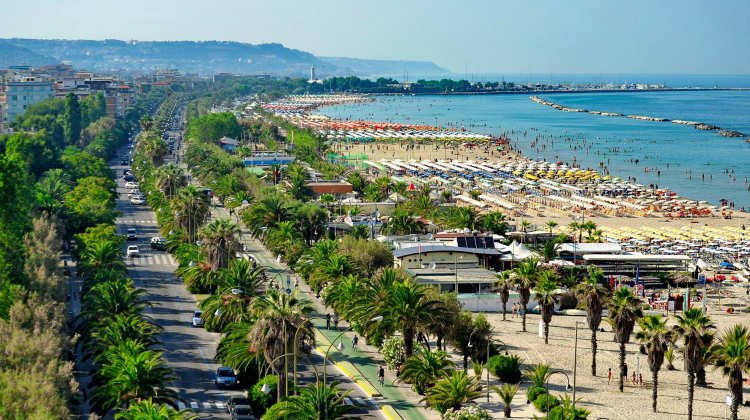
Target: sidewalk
366,361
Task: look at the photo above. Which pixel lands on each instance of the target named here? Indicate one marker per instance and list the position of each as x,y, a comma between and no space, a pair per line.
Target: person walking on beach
625,373
640,379
609,375
381,375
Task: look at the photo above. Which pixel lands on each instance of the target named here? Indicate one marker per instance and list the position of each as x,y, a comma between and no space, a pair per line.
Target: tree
568,411
656,337
169,179
50,191
461,218
732,355
315,401
148,409
424,368
506,394
403,223
190,208
279,317
696,331
470,335
408,306
624,310
494,222
153,147
219,242
593,293
72,119
544,293
91,202
368,256
525,276
504,283
551,224
453,392
130,372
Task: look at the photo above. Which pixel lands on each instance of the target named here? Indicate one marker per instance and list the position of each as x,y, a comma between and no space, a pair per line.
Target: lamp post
265,372
546,385
489,341
575,362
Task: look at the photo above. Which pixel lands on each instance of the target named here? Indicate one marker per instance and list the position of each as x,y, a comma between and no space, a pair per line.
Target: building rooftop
636,257
413,250
591,248
443,276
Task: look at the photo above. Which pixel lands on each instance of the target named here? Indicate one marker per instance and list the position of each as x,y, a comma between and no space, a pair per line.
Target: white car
131,184
198,319
137,200
132,251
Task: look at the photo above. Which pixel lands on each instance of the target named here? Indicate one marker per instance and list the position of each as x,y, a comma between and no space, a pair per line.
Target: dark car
225,378
129,178
243,413
124,162
234,402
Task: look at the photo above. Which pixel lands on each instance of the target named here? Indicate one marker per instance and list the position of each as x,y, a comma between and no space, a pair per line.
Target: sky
464,36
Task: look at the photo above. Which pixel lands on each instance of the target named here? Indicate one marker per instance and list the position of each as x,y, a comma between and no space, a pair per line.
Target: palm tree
624,310
551,224
593,293
494,222
110,298
51,190
198,277
190,208
506,393
315,401
130,372
113,331
279,318
424,368
525,276
408,306
267,212
169,179
656,337
539,374
577,228
329,270
403,223
154,148
100,256
462,218
504,283
695,329
234,348
568,411
219,242
148,409
453,392
590,228
341,295
732,355
525,225
544,293
146,123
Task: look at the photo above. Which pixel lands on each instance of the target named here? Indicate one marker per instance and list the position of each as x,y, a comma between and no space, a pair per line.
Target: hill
11,55
202,57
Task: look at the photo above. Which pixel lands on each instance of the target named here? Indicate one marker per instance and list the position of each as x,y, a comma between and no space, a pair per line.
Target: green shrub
393,352
507,368
534,391
546,402
260,401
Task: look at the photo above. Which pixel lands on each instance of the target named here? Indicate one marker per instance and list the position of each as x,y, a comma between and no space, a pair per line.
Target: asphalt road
188,351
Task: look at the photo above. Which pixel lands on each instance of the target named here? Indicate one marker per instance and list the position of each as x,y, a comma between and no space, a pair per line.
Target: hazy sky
481,36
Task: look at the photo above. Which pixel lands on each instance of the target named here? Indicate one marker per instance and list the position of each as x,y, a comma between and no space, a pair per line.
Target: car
134,193
225,378
236,402
243,413
158,243
124,161
128,178
198,319
131,234
132,251
137,200
131,184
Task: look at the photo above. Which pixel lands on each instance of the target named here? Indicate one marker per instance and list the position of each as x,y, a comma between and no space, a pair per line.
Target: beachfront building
637,265
229,144
574,251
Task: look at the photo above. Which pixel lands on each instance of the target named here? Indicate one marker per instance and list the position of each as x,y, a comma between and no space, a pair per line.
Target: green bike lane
366,360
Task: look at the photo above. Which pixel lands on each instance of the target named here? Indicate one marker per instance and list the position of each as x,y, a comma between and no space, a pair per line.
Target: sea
700,165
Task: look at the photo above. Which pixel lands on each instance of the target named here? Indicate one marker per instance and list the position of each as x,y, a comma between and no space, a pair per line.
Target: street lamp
567,386
575,362
489,341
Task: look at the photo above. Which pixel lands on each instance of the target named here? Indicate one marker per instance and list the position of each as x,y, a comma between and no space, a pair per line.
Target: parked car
237,402
128,178
132,251
131,234
137,200
131,184
225,378
158,243
198,319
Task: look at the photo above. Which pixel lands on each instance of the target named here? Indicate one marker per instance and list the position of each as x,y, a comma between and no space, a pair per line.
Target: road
189,352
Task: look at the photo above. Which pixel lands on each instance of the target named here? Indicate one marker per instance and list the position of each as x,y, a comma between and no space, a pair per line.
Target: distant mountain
391,68
13,55
202,57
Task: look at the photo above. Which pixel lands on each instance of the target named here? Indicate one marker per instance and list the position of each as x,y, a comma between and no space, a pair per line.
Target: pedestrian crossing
135,222
151,259
201,405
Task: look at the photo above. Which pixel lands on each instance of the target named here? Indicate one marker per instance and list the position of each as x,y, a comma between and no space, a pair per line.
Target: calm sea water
697,164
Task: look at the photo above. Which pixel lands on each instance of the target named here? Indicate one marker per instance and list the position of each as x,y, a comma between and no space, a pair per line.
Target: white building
18,94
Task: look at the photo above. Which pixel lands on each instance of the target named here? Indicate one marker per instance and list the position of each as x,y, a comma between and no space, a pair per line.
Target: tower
312,72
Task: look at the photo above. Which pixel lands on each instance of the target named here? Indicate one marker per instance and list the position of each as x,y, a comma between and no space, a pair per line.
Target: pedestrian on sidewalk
355,343
328,321
609,375
335,321
381,375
